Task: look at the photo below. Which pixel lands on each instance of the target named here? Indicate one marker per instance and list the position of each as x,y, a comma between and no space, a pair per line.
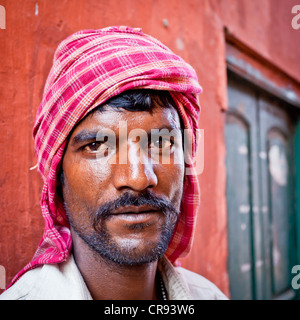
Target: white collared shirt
64,282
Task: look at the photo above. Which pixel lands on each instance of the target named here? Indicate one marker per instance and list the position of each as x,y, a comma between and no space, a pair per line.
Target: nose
137,173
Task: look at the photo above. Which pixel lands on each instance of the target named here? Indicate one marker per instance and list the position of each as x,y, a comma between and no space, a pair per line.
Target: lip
135,215
135,218
134,210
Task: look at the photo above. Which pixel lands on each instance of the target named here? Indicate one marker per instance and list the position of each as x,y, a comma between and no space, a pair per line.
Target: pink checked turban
90,67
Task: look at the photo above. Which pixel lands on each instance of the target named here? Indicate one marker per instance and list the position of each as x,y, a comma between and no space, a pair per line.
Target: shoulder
49,282
199,287
22,288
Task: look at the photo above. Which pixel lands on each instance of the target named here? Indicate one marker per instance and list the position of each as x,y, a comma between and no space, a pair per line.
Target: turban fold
90,67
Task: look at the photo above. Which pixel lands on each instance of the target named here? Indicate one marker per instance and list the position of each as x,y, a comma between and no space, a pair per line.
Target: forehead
110,118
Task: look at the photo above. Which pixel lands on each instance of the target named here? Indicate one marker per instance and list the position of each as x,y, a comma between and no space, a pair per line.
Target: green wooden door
261,221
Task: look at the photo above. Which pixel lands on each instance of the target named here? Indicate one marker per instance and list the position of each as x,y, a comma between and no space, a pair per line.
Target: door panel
239,227
243,198
277,191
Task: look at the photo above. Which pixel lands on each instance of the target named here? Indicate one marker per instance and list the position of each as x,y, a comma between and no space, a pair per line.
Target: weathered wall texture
195,30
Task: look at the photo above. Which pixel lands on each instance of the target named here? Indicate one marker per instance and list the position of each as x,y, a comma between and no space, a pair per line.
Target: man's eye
97,146
94,146
161,143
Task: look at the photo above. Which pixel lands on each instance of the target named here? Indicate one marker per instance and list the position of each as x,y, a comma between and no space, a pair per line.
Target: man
118,204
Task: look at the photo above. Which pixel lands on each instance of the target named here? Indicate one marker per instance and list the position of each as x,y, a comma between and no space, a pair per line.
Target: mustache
128,199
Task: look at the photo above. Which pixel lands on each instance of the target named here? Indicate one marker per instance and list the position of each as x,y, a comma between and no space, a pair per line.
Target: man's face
126,207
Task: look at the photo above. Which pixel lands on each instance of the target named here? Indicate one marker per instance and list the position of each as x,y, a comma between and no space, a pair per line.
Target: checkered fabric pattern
90,67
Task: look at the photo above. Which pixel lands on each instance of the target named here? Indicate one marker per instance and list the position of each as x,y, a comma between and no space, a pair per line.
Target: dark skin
88,184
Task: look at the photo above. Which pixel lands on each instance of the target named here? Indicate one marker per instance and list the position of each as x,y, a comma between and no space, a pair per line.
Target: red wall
195,31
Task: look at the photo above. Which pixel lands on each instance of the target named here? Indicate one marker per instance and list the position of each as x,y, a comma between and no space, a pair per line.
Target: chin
128,251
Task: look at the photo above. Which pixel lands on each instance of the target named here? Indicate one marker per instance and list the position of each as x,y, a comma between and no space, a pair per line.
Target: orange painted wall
195,30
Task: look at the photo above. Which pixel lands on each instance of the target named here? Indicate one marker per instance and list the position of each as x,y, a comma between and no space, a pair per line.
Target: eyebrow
84,136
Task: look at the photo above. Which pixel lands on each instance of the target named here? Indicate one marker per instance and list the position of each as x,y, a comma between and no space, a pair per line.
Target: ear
60,182
61,177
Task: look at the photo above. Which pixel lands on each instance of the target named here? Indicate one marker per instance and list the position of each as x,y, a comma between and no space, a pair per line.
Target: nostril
137,177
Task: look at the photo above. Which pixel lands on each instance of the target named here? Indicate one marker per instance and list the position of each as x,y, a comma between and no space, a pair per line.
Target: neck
107,280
